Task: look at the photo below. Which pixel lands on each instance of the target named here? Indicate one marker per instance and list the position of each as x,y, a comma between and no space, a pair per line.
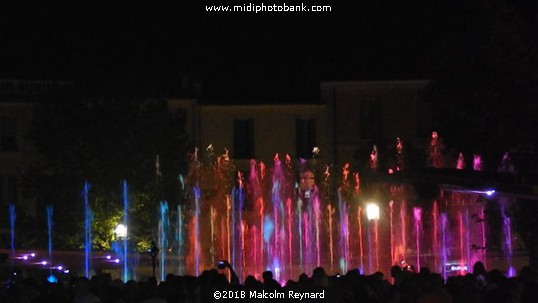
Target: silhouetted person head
268,281
395,271
319,277
267,276
479,269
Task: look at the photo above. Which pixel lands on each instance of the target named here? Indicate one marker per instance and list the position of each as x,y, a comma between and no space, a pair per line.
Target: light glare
372,211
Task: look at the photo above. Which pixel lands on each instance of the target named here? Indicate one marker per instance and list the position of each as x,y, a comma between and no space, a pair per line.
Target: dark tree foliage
105,141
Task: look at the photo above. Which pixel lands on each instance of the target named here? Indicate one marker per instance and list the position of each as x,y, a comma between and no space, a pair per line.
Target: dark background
167,49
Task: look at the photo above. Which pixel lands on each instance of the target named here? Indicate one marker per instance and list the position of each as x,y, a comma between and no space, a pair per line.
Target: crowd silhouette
404,285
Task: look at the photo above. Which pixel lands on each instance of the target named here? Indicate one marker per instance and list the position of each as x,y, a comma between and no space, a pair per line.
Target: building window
305,132
371,119
244,139
8,134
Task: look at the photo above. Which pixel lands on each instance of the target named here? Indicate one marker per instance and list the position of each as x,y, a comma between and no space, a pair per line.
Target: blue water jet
163,241
49,228
87,230
12,217
125,242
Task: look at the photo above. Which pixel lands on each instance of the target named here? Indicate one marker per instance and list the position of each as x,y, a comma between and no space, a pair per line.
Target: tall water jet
197,249
278,211
444,247
330,214
317,221
125,273
372,213
301,238
392,254
180,240
435,214
361,248
462,242
483,228
88,218
417,214
229,206
163,237
49,229
12,217
344,235
233,226
507,249
289,216
403,229
268,229
239,228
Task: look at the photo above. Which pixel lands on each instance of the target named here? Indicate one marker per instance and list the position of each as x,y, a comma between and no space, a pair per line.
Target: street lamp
372,211
121,231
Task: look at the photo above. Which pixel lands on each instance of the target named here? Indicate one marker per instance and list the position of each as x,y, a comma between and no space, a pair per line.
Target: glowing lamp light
25,258
32,255
43,262
121,231
490,192
108,257
59,267
117,261
372,211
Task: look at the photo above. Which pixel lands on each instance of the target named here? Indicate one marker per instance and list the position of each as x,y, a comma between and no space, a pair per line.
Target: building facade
348,115
374,112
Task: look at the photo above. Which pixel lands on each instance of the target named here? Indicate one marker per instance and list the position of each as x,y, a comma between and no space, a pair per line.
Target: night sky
149,49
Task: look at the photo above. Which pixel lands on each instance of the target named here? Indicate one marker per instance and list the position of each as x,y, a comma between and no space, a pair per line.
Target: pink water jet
417,214
477,162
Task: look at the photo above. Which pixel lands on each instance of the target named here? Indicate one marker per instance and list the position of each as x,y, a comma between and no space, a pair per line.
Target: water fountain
272,220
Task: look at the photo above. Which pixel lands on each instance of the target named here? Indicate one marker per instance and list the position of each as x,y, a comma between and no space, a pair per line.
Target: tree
105,141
